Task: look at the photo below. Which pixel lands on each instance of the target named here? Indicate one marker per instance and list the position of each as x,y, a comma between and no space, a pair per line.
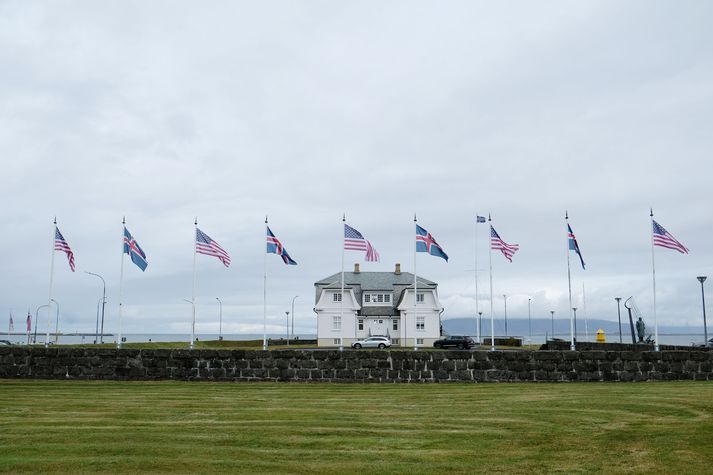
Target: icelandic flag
573,246
480,219
29,322
131,247
274,246
426,243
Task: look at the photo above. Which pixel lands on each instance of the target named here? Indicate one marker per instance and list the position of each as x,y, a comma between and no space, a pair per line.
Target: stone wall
353,366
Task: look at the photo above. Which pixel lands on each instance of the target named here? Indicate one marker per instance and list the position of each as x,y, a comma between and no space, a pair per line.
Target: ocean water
75,339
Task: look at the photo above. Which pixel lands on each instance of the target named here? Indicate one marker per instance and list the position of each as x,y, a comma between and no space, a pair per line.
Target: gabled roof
370,281
361,282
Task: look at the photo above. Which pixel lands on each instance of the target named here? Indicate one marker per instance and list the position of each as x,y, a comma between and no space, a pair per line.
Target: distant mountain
543,326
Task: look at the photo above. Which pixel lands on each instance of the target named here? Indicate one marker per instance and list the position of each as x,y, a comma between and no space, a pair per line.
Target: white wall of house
407,334
328,309
426,314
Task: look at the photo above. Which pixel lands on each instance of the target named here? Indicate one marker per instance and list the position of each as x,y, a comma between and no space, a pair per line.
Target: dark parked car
455,341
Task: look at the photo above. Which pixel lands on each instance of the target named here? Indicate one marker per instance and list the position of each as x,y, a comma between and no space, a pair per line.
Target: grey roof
374,281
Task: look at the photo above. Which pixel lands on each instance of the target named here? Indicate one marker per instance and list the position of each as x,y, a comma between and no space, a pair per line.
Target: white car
379,342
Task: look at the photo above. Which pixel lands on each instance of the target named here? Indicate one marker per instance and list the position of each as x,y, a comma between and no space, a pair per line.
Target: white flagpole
653,275
477,327
121,280
264,292
49,302
415,288
586,322
193,293
569,285
492,318
341,295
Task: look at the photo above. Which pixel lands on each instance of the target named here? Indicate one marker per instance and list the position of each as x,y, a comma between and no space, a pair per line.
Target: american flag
354,241
61,245
664,239
498,244
205,245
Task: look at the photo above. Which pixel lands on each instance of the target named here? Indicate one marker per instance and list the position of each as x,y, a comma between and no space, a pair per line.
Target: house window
337,297
337,341
395,326
419,298
377,298
395,341
420,323
361,324
419,341
336,322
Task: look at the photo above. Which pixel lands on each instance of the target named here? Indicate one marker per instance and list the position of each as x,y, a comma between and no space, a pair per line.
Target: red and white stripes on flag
354,241
205,245
663,238
498,244
60,244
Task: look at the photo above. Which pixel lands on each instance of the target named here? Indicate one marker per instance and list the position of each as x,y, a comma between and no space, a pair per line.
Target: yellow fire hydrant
600,336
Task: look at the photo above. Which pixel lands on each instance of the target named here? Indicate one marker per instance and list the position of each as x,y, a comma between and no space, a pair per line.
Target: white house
377,303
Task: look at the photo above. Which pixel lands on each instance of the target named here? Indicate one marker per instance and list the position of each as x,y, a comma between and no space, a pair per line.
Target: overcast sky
230,111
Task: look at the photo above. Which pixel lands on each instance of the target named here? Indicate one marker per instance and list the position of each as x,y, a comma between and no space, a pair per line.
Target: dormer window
374,298
419,297
337,297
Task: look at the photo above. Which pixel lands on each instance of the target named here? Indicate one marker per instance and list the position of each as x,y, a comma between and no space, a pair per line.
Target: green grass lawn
184,427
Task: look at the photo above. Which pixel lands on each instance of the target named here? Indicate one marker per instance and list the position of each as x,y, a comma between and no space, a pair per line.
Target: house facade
377,303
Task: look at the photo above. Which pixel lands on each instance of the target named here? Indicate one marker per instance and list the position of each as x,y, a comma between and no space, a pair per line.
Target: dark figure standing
640,329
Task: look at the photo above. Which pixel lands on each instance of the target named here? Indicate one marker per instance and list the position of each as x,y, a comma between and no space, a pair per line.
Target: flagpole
569,286
264,294
653,275
415,288
492,318
121,280
477,327
341,295
49,301
193,293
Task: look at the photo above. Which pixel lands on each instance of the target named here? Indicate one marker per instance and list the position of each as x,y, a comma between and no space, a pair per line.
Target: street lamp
574,309
37,313
97,338
287,326
701,279
193,324
505,301
220,328
618,311
480,321
529,318
552,314
293,316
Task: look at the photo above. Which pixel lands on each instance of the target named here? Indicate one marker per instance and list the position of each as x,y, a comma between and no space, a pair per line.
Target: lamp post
287,327
574,309
37,313
552,315
293,316
56,323
618,311
220,328
480,321
701,279
193,324
505,301
529,318
97,338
